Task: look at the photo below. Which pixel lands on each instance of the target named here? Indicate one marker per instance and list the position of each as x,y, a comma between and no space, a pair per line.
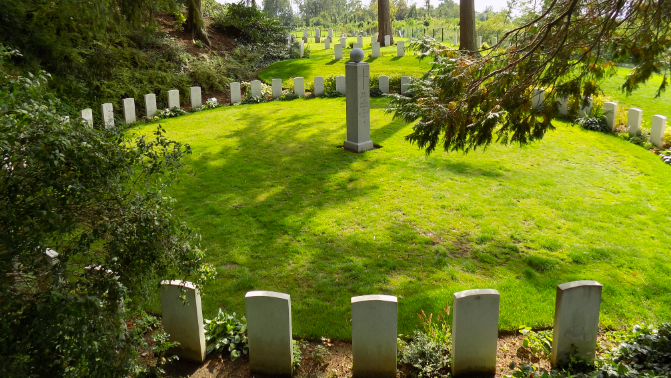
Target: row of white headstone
129,111
299,87
634,116
374,328
495,40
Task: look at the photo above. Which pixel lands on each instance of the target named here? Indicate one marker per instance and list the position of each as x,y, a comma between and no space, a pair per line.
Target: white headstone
327,44
269,333
562,103
357,45
365,34
634,120
236,96
150,105
173,99
330,33
318,33
305,33
376,49
456,39
387,40
475,329
129,115
277,88
343,43
657,130
576,321
256,88
302,48
337,52
610,111
358,105
183,321
359,40
586,110
341,85
299,86
87,116
319,85
405,82
537,98
479,41
107,111
373,39
400,48
495,40
374,325
318,39
384,84
196,97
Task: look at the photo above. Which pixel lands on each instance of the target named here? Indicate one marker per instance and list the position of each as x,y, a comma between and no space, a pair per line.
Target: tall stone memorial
576,322
358,103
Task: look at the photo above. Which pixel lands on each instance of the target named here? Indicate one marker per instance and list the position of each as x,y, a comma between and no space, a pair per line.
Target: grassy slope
281,208
321,63
643,98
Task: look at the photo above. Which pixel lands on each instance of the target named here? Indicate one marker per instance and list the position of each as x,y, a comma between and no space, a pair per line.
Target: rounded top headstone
356,55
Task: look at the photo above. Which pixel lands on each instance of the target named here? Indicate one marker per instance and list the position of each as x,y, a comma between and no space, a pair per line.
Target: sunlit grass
281,207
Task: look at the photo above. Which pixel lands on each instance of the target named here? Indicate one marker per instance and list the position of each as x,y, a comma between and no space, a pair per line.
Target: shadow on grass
334,61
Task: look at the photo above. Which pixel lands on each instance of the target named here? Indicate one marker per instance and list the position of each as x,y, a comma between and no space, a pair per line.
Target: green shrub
426,357
227,333
538,344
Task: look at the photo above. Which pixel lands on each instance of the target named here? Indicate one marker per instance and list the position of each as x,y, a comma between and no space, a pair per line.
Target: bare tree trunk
467,25
384,21
194,22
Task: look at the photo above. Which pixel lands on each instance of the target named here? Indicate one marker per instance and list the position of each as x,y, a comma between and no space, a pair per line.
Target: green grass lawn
643,98
282,207
322,63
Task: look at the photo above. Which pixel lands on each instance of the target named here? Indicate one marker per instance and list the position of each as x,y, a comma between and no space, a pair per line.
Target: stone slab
387,40
587,109
634,120
196,97
277,88
269,333
87,116
337,52
576,321
610,111
327,44
562,105
343,43
384,84
495,41
173,98
302,48
150,105
537,98
374,332
183,321
256,88
475,329
330,33
129,115
107,111
299,86
400,48
341,85
319,85
479,41
405,83
359,40
236,95
357,45
657,130
376,49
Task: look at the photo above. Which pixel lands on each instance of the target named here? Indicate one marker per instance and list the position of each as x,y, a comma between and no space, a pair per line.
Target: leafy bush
427,357
594,123
539,344
227,333
376,92
288,96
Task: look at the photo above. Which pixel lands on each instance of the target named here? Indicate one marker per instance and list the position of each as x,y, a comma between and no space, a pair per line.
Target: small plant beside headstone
227,333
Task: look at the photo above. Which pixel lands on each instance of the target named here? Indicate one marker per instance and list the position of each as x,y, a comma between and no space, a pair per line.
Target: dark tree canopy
567,47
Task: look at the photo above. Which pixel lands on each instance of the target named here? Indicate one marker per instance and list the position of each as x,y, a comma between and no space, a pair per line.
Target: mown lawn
643,98
322,63
281,207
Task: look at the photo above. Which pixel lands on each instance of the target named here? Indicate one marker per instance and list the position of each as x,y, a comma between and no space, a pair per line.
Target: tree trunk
384,21
467,25
194,22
